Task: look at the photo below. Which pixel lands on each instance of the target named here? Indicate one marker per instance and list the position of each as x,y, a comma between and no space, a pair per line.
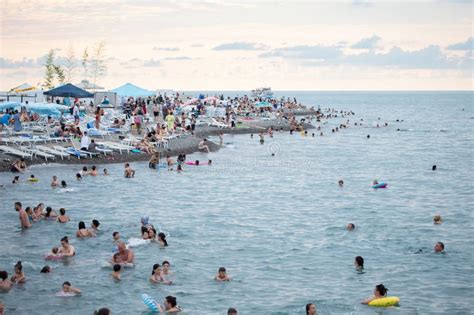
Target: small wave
65,190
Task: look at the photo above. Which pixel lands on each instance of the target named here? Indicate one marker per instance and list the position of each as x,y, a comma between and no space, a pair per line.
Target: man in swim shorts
126,255
129,172
24,220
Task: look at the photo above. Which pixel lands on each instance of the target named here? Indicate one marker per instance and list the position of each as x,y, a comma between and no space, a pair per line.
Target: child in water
222,275
116,273
54,181
54,254
437,219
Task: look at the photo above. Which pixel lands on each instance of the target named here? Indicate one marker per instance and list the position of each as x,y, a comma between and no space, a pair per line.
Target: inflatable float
32,179
385,302
380,185
196,163
152,305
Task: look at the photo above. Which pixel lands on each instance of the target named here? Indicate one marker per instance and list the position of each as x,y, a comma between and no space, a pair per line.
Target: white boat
263,92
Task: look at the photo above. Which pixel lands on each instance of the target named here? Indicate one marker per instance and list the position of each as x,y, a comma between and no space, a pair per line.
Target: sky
240,45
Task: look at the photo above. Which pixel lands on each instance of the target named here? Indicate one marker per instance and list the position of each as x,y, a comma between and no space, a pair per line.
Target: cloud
305,52
178,58
467,45
197,45
430,57
367,43
12,64
241,46
166,48
151,63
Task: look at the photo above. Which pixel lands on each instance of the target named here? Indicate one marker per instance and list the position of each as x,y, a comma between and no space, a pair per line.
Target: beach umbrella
69,90
23,88
132,90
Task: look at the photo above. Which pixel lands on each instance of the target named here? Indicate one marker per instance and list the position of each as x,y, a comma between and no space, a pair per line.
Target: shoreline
187,144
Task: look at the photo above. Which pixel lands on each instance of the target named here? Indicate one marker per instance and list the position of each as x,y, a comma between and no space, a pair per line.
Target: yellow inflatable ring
385,302
32,179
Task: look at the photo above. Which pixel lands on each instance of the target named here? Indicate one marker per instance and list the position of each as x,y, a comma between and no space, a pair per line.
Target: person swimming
439,247
19,276
350,226
310,309
437,219
67,289
157,275
63,184
116,273
46,269
78,176
128,172
63,218
380,291
162,239
359,263
433,168
222,275
341,183
54,181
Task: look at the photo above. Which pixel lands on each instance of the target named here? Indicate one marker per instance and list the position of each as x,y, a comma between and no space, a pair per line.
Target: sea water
277,223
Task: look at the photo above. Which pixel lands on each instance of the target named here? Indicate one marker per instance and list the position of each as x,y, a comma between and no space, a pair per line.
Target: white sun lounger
39,153
46,149
70,151
15,152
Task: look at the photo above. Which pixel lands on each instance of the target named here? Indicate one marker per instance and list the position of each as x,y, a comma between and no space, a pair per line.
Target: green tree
60,73
49,70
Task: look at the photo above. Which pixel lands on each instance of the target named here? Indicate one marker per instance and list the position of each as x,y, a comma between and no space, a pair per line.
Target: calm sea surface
276,223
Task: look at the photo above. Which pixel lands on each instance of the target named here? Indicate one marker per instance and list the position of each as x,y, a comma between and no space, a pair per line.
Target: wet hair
441,244
172,300
82,225
144,229
222,269
231,311
84,168
360,261
115,233
48,212
65,239
154,268
117,267
433,168
351,225
308,306
19,266
162,237
78,176
63,184
381,289
62,211
165,262
96,223
45,269
102,311
3,275
67,283
18,204
93,166
55,250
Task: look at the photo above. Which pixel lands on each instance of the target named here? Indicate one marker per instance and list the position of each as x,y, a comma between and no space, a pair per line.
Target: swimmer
95,225
84,171
169,162
165,270
162,239
222,275
106,172
116,273
157,276
209,162
341,183
50,214
68,289
375,182
53,254
94,171
103,311
54,181
16,179
116,237
19,276
125,256
170,305
433,168
310,309
46,269
203,146
350,226
262,138
439,247
78,176
82,232
128,172
359,263
312,135
232,311
321,134
32,178
437,219
179,168
66,249
24,220
63,184
5,283
368,136
63,218
380,291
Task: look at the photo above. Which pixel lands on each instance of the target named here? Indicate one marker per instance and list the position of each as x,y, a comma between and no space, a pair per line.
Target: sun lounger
15,152
36,152
71,151
54,152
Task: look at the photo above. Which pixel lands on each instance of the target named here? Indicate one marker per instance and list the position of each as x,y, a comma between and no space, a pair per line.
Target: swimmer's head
81,225
46,269
351,226
165,264
66,285
63,184
170,301
78,176
55,250
310,309
380,289
32,176
359,262
93,166
433,168
3,275
156,269
95,224
439,247
116,235
437,219
117,267
231,311
62,211
84,168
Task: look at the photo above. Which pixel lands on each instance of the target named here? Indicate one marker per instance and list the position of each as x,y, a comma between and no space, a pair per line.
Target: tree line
64,70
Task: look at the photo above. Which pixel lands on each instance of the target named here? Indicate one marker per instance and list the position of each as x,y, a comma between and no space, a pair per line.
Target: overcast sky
240,45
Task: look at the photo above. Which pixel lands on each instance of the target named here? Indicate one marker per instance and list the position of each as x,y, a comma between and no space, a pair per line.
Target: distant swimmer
341,183
222,275
23,216
5,283
437,219
232,311
106,172
359,263
350,226
78,176
54,181
66,249
18,166
103,311
128,172
63,184
63,218
380,291
433,168
310,309
162,239
439,247
46,269
368,136
170,305
67,289
157,275
125,256
262,138
116,273
19,276
94,171
16,180
203,146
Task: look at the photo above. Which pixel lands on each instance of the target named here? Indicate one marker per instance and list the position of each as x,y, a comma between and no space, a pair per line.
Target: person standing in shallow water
24,220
